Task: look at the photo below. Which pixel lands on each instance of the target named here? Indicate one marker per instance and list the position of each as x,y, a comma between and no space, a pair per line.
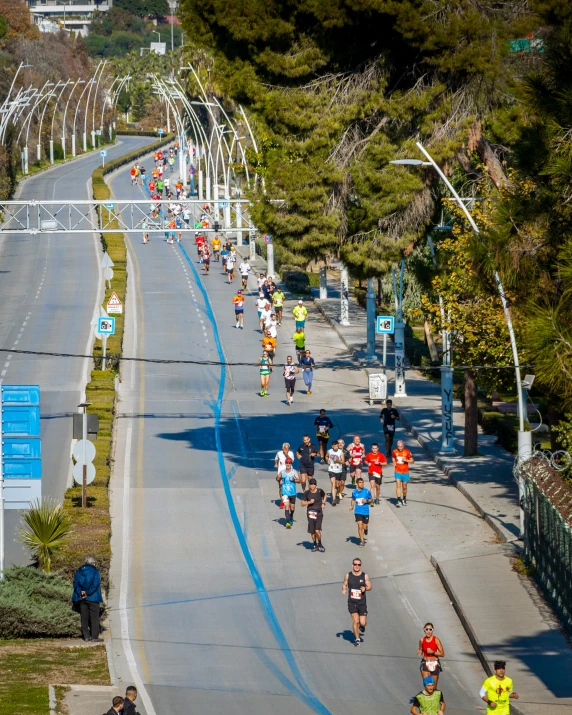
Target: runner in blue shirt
289,480
361,499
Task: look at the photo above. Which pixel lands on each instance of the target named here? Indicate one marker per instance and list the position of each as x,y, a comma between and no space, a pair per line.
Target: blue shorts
300,323
402,476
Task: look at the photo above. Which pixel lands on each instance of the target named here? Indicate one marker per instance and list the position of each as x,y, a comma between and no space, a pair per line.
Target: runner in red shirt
357,452
375,460
401,458
133,173
200,241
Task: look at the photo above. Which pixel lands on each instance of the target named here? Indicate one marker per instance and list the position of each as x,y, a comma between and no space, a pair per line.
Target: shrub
505,428
47,528
36,604
296,281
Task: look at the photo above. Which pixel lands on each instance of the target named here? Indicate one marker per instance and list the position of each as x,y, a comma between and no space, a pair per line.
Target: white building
50,15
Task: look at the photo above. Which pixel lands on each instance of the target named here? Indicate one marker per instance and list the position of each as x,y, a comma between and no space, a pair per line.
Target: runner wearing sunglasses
356,584
431,649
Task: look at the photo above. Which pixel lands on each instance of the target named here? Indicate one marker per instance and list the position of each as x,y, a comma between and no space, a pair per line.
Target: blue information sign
385,324
106,326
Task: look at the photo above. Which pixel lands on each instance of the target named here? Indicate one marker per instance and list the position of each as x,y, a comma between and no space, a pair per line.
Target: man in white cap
300,312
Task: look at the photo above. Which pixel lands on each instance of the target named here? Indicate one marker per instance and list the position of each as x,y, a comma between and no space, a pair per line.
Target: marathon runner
206,258
388,416
145,227
497,691
431,649
224,254
300,312
345,463
323,426
375,460
335,458
356,584
361,499
429,701
269,345
289,479
265,369
290,372
357,453
307,363
238,301
230,264
401,458
278,299
215,243
265,314
315,500
306,453
244,269
280,463
299,340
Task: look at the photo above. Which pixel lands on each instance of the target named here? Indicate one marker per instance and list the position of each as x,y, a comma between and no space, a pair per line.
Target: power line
229,363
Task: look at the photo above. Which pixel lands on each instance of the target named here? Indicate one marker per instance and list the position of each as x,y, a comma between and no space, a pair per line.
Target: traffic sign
385,324
106,326
108,274
78,473
78,451
160,130
268,238
114,305
109,207
106,261
103,153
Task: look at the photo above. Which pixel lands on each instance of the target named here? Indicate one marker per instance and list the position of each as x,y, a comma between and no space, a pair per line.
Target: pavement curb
449,472
467,625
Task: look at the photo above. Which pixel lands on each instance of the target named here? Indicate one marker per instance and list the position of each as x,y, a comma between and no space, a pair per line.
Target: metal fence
547,502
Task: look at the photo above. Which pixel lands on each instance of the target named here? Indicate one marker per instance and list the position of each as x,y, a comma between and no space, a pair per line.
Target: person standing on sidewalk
307,363
300,312
401,458
388,416
361,499
356,584
375,461
323,425
429,701
497,690
315,500
116,705
87,593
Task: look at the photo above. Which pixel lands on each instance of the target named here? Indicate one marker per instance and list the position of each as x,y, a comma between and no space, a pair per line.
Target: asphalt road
216,606
48,292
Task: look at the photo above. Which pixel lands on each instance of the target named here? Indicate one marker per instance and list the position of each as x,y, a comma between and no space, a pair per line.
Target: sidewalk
502,612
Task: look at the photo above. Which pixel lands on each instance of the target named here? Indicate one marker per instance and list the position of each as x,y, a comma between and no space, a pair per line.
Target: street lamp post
173,6
78,81
524,436
100,66
77,106
53,121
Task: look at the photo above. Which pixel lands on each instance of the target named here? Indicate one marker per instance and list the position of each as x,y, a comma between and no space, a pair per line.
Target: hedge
92,526
139,133
36,604
505,427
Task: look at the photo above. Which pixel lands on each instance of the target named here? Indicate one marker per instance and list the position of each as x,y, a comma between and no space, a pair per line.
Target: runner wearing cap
238,301
497,690
429,701
315,500
288,480
300,312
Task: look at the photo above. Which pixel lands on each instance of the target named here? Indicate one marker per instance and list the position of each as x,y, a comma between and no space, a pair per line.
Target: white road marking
3,373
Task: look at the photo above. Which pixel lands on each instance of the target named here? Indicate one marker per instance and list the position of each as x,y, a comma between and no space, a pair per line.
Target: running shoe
321,548
361,544
288,525
316,548
372,504
404,501
398,503
357,642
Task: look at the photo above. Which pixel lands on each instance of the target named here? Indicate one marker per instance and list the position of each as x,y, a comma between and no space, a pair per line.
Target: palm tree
47,528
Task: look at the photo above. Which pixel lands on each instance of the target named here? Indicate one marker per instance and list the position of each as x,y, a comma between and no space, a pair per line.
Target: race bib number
391,428
360,501
355,593
321,429
431,665
285,499
312,515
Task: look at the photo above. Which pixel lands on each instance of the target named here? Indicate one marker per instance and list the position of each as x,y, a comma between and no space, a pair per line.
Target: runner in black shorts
306,453
356,584
315,500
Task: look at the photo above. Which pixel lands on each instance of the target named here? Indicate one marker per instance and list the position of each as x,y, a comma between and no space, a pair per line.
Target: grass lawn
29,666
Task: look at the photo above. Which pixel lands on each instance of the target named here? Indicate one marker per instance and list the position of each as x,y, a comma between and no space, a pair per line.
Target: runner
289,479
272,326
375,460
269,345
361,499
260,306
306,453
356,584
323,426
431,649
401,459
300,312
260,280
265,369
280,464
345,463
278,299
215,243
290,372
244,269
299,339
315,500
335,459
265,315
238,301
206,259
388,416
133,173
308,365
230,264
429,701
224,254
145,227
200,242
357,453
497,690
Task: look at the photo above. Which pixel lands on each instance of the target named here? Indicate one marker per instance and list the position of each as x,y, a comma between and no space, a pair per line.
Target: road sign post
84,453
105,327
103,154
385,326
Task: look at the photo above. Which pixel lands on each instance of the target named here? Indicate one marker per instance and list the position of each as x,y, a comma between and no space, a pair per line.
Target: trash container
377,387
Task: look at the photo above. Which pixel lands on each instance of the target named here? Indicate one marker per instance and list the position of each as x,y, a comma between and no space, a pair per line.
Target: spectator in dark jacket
117,704
129,702
87,593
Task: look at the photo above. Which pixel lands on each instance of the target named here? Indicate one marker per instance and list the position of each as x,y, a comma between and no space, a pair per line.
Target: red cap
288,461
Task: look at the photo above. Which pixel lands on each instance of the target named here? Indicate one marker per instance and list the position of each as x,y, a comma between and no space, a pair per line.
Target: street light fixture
173,4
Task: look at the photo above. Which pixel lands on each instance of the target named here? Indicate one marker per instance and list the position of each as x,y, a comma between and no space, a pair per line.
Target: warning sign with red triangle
114,305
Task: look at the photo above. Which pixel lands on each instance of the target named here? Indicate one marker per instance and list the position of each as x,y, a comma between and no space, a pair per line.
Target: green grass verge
28,667
92,526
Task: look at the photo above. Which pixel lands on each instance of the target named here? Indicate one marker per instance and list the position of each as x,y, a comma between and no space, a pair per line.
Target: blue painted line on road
309,698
